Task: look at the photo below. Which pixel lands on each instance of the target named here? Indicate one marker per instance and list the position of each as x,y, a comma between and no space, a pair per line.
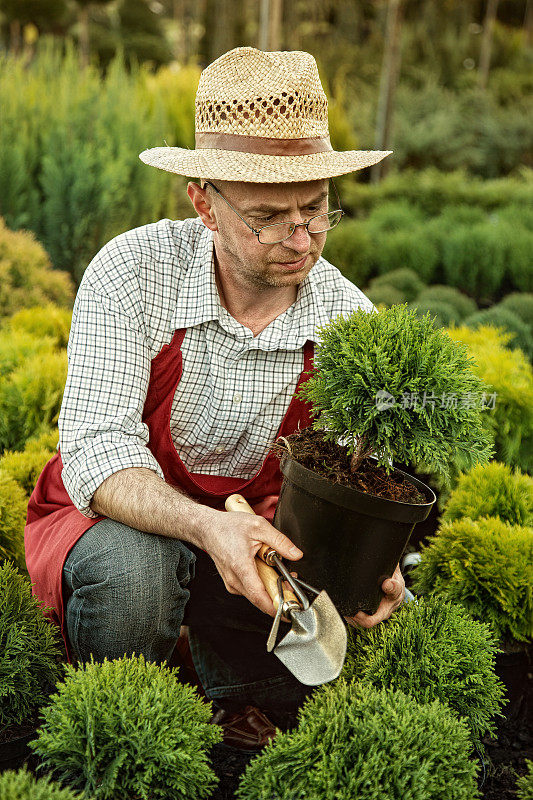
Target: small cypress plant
433,650
524,785
394,352
354,741
463,305
128,728
49,320
486,565
500,316
29,650
22,785
492,490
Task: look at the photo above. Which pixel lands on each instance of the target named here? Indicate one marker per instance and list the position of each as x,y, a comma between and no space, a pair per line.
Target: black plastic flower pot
351,540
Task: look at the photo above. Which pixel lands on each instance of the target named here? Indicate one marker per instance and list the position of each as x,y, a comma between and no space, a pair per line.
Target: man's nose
300,239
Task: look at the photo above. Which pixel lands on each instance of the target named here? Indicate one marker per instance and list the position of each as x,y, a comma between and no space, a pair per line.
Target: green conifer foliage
29,650
524,785
22,785
463,305
355,742
396,352
432,650
128,728
486,565
492,490
13,509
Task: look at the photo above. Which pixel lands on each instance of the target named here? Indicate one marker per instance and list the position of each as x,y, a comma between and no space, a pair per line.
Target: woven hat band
262,145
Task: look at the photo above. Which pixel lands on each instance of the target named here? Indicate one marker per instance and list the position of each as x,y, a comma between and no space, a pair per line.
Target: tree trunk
83,20
486,42
390,71
270,17
14,37
528,24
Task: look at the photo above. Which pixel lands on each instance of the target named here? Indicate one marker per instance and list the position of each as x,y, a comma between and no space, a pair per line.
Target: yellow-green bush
13,508
26,466
30,398
486,565
26,277
49,321
491,490
17,345
509,377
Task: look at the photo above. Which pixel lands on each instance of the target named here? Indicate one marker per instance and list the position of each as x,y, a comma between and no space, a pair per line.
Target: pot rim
355,500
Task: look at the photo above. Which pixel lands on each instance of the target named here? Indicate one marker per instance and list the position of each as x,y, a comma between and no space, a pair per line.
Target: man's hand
394,591
232,541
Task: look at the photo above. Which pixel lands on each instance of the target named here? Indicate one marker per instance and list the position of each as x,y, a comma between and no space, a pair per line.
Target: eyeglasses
279,231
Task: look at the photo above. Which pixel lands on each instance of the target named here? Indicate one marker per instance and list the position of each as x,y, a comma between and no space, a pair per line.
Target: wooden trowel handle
269,576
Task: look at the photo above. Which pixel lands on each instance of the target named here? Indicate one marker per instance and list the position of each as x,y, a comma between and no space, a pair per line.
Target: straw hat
261,117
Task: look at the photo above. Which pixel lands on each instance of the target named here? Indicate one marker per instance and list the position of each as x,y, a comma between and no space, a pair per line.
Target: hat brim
233,165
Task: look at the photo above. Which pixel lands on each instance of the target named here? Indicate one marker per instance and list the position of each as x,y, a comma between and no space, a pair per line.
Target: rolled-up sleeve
100,424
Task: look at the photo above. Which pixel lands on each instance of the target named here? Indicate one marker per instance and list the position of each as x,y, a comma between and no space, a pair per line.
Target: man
188,341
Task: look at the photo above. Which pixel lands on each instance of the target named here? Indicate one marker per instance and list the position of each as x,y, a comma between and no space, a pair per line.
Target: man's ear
202,205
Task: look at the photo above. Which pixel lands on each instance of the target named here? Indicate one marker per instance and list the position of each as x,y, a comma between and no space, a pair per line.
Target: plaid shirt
235,388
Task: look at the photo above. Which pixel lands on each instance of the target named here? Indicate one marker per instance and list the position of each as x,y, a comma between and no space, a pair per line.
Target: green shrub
509,380
30,399
128,728
22,785
501,317
492,490
394,216
452,217
17,346
29,650
517,215
443,312
44,321
355,741
350,248
521,304
26,466
486,565
432,190
519,260
411,249
13,509
524,784
474,258
432,650
385,296
68,169
463,305
403,280
394,351
26,278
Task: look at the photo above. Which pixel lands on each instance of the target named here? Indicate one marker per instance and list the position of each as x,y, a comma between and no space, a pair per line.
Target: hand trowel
315,648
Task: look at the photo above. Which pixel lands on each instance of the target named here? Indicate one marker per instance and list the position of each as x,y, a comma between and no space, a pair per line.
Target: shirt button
219,448
237,397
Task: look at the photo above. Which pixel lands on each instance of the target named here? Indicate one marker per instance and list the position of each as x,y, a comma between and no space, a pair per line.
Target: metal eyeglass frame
294,225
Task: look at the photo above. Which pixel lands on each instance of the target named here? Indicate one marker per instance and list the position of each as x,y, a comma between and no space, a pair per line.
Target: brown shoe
249,729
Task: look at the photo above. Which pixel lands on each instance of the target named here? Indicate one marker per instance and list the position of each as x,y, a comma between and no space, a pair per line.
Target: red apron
54,525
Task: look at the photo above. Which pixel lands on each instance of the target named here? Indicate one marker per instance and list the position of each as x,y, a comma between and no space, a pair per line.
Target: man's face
268,265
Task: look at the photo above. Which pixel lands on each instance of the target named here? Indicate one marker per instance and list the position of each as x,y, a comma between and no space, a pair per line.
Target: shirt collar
199,302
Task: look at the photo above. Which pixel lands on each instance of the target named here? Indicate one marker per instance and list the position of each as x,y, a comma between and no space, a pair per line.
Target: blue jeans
129,592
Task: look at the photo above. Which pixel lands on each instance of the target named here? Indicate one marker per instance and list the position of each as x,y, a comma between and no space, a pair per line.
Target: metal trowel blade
315,648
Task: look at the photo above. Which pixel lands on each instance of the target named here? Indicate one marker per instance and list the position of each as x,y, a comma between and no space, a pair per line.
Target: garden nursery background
444,225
